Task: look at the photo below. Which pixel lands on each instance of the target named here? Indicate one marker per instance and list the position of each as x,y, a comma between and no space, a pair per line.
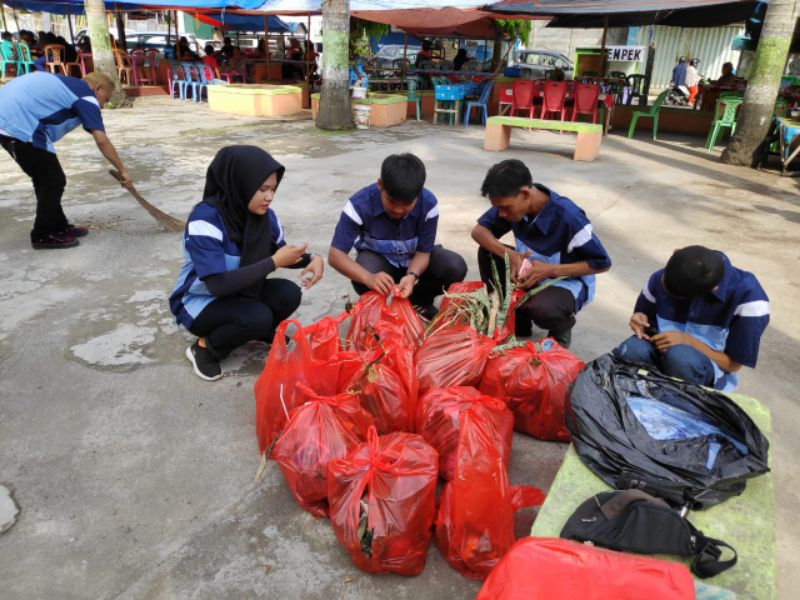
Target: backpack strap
707,562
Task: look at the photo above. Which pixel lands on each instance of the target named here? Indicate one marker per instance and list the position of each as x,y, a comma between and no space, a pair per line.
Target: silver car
534,64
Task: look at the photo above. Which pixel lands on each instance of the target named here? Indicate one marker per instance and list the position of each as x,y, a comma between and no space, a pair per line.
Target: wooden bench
746,522
587,145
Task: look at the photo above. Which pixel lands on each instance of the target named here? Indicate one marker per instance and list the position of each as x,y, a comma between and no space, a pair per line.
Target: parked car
534,64
386,55
148,39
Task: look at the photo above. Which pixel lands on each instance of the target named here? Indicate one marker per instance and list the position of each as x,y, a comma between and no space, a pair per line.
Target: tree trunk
334,101
102,53
497,53
756,113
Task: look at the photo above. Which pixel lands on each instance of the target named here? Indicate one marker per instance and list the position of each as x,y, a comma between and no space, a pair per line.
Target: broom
167,221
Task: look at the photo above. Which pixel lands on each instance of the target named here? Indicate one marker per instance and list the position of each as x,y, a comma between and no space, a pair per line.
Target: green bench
587,144
746,522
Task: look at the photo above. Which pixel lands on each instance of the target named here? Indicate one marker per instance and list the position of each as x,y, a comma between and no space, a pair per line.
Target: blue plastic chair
482,102
176,80
191,75
24,61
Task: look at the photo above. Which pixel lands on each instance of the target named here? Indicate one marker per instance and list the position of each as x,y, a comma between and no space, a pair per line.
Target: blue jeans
681,361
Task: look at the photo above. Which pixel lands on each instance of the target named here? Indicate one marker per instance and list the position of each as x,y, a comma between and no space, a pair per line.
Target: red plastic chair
523,90
586,95
555,95
141,73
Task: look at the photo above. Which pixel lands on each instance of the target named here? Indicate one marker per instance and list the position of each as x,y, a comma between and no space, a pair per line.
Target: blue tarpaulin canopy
76,7
625,13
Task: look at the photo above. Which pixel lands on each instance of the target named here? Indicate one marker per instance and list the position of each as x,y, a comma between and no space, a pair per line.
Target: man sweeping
37,110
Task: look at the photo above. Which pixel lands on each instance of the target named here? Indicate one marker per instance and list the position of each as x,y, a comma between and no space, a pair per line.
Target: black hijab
231,180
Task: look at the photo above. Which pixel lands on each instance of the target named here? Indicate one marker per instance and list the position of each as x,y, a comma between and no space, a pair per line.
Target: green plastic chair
652,113
24,60
413,96
728,119
8,57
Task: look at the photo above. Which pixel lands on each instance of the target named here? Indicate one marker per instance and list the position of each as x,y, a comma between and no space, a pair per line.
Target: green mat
746,522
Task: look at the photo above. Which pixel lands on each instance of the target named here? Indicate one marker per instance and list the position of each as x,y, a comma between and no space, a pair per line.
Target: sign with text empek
627,53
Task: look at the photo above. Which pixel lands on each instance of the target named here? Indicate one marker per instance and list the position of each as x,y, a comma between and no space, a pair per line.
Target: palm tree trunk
756,113
102,53
334,101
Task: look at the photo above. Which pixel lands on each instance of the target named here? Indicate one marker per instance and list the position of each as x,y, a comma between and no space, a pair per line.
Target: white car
534,64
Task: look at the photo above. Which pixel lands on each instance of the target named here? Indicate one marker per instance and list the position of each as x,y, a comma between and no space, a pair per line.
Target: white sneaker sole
199,373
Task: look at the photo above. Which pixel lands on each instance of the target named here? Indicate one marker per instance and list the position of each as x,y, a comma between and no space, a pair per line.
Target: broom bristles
168,221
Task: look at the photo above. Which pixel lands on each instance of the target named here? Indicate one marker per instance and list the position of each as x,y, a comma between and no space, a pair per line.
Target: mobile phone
651,330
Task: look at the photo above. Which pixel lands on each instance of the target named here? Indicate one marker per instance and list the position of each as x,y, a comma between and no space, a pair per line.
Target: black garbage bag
639,429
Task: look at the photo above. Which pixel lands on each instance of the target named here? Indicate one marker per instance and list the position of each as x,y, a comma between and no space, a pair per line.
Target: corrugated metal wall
711,45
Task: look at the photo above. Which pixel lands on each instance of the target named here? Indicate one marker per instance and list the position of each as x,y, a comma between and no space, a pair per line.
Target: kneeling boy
392,224
553,235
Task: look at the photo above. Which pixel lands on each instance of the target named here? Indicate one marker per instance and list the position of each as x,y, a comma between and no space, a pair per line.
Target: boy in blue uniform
392,224
699,319
37,110
553,239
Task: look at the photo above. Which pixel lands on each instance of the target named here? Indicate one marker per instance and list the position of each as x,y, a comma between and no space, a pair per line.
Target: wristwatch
416,277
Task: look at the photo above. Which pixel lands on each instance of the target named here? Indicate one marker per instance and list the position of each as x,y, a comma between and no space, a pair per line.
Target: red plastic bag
475,526
382,499
455,355
323,337
535,385
386,382
555,568
276,388
438,422
373,307
463,287
322,429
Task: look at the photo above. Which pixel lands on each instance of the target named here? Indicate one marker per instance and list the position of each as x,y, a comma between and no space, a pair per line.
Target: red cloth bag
385,381
382,499
475,526
455,355
438,422
318,431
566,570
374,307
535,385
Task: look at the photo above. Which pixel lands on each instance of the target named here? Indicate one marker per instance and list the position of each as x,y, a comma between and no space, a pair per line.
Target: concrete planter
386,109
255,100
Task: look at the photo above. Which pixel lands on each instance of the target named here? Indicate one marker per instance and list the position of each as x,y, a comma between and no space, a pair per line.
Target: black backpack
634,521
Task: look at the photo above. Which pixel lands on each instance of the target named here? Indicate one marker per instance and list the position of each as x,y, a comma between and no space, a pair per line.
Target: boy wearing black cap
699,319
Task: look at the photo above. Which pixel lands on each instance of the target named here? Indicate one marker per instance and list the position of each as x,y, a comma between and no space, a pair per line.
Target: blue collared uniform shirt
559,234
365,225
729,319
207,250
40,108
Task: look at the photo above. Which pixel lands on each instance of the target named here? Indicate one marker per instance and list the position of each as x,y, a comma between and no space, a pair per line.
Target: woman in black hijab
233,240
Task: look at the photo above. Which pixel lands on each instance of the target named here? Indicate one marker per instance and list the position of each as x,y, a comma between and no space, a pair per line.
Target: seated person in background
557,75
6,36
70,55
211,60
183,51
291,70
425,53
237,65
553,238
727,79
227,48
233,242
86,45
699,319
392,224
460,59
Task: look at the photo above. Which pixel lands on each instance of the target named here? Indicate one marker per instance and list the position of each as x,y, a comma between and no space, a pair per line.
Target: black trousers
445,267
552,309
231,321
49,182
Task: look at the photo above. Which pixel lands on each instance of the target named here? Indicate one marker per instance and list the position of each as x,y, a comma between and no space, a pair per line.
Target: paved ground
135,478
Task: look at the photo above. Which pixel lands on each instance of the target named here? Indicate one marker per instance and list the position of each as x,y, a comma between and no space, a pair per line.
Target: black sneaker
206,366
75,231
53,241
563,338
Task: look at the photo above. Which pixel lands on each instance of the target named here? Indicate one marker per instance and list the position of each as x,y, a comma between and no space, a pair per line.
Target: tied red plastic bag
438,422
322,429
475,526
386,383
535,386
554,568
276,388
382,502
374,307
455,355
323,337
